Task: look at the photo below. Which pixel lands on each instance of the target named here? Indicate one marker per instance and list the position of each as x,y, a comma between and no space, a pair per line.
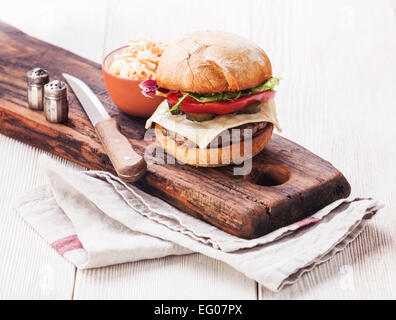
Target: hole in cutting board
268,175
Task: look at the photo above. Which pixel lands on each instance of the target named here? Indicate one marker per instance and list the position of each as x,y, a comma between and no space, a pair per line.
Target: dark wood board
287,182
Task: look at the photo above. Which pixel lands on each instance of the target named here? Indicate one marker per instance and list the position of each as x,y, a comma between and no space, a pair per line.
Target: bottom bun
235,153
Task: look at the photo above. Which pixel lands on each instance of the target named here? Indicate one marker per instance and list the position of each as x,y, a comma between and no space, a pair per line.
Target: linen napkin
94,219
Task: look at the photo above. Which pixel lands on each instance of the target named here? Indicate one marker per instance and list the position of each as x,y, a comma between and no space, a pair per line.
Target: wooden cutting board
287,182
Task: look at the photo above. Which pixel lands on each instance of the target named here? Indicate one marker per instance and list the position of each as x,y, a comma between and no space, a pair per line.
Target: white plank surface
337,98
78,26
338,60
29,267
188,277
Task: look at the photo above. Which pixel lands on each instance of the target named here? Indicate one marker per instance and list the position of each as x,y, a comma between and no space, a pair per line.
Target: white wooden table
337,98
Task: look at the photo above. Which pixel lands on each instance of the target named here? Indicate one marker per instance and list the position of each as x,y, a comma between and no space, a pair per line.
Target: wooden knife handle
129,166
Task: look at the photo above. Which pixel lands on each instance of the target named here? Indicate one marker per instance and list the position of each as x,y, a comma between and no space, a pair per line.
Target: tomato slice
190,105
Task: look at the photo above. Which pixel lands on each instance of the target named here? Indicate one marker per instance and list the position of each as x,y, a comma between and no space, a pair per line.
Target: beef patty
247,131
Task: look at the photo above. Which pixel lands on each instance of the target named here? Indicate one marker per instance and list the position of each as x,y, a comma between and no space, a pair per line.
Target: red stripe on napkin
67,244
306,221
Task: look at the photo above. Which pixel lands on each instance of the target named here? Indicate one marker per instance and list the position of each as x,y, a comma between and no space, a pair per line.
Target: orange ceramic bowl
126,93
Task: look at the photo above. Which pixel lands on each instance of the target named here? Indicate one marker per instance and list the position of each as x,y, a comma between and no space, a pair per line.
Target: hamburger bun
212,62
214,157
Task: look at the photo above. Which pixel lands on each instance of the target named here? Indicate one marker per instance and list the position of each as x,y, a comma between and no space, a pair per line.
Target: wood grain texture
245,207
128,165
327,52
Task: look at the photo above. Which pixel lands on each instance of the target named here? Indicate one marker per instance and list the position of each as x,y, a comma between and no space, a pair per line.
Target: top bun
212,62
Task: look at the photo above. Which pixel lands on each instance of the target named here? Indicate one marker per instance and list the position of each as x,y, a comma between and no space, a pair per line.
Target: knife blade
129,165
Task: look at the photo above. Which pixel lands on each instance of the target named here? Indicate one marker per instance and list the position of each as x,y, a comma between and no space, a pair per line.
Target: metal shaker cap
37,76
55,89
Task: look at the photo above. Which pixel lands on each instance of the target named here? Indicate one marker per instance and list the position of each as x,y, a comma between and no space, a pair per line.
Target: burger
219,107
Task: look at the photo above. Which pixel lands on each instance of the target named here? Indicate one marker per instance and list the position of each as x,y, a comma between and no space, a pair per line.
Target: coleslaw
138,61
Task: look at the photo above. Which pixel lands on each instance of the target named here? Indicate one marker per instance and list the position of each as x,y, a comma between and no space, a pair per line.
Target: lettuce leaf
268,85
229,96
179,103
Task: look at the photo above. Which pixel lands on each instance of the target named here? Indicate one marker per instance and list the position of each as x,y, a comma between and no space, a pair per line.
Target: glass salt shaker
56,106
36,79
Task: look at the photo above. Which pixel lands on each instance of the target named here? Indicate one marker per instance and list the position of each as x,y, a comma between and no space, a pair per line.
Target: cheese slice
202,133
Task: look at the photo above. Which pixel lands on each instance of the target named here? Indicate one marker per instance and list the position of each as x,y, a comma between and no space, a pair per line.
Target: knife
129,166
